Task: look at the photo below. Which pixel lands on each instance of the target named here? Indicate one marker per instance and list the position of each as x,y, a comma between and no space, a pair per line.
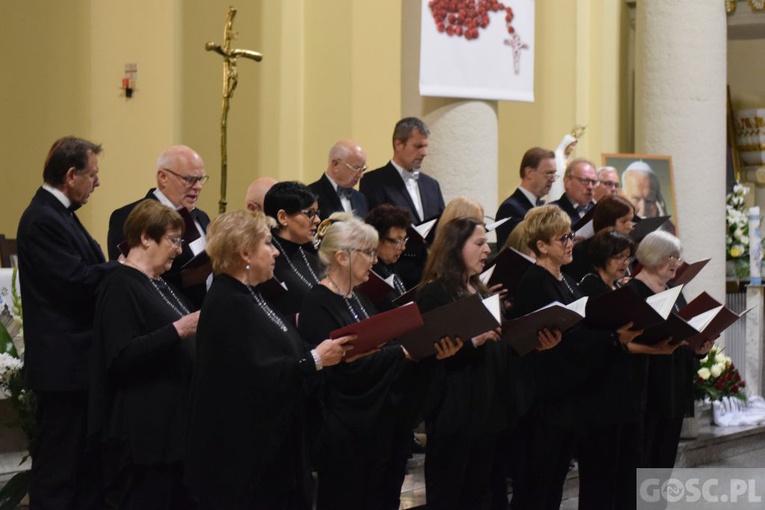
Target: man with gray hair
401,183
346,165
608,183
180,176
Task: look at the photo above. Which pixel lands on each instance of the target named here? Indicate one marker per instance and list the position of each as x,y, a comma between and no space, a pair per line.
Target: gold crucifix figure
230,81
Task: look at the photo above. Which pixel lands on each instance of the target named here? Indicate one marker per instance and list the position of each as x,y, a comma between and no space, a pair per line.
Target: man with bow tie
401,183
346,165
60,267
580,180
180,176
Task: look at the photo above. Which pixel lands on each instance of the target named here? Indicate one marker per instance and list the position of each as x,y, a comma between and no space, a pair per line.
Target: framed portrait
648,182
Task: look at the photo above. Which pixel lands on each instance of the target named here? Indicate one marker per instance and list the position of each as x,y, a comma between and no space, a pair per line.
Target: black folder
523,333
465,318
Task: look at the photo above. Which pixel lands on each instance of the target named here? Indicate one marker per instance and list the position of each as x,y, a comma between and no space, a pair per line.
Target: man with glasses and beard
580,180
180,176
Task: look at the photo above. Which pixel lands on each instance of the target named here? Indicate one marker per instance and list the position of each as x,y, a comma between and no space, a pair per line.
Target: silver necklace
563,279
266,309
294,268
348,301
180,310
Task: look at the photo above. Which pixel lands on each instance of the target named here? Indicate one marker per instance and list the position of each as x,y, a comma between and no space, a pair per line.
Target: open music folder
614,309
507,268
522,333
376,288
380,329
722,319
465,318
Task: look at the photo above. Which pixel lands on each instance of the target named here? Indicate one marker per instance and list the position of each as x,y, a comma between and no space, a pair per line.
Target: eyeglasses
175,241
190,180
357,170
398,243
369,252
551,175
675,260
311,213
610,184
585,181
566,238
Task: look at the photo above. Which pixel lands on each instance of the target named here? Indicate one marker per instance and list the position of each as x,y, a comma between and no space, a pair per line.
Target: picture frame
651,195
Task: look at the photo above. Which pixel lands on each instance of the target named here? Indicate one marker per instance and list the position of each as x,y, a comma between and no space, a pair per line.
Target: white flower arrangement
736,223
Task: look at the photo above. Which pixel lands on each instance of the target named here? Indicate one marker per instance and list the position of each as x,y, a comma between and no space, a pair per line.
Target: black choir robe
246,431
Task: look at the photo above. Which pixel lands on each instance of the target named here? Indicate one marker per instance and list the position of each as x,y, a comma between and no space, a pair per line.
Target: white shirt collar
58,194
164,200
400,169
531,196
333,183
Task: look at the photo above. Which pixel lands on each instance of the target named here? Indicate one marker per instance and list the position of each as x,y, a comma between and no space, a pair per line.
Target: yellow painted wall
331,70
43,92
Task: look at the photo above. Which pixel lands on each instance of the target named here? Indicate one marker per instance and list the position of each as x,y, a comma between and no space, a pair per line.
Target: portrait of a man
647,182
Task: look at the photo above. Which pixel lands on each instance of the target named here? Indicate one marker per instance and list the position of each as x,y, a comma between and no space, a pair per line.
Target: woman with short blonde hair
246,446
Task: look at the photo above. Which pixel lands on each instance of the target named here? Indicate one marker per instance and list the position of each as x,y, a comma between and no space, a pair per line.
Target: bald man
180,177
346,163
256,191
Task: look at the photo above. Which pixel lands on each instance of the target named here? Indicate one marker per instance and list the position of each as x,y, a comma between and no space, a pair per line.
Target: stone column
463,143
680,97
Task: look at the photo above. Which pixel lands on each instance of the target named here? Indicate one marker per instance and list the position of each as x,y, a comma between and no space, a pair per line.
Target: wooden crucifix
230,81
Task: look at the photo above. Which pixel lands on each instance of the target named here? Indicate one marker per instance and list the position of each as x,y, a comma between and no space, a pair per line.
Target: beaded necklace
181,310
563,279
294,268
348,301
266,309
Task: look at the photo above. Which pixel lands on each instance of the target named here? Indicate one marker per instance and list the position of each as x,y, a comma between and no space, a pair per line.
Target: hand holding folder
465,319
523,333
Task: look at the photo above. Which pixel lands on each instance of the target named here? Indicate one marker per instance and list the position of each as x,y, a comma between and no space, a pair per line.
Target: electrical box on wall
129,79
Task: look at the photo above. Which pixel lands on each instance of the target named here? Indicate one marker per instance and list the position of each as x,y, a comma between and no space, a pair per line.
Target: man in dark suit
347,163
579,180
537,175
401,183
180,176
60,267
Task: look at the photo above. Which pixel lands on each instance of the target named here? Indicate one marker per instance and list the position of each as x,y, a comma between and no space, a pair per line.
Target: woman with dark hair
143,358
246,445
612,211
465,411
296,211
357,434
564,377
611,253
391,223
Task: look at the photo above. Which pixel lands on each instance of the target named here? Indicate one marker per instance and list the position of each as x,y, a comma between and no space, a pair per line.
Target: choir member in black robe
355,465
391,223
669,396
143,361
565,378
611,211
464,411
246,446
296,211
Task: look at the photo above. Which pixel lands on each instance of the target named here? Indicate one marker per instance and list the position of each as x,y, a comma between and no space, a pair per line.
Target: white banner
477,49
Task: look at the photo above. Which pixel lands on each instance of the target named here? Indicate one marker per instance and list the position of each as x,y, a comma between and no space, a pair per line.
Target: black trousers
549,449
661,438
64,475
353,470
458,471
